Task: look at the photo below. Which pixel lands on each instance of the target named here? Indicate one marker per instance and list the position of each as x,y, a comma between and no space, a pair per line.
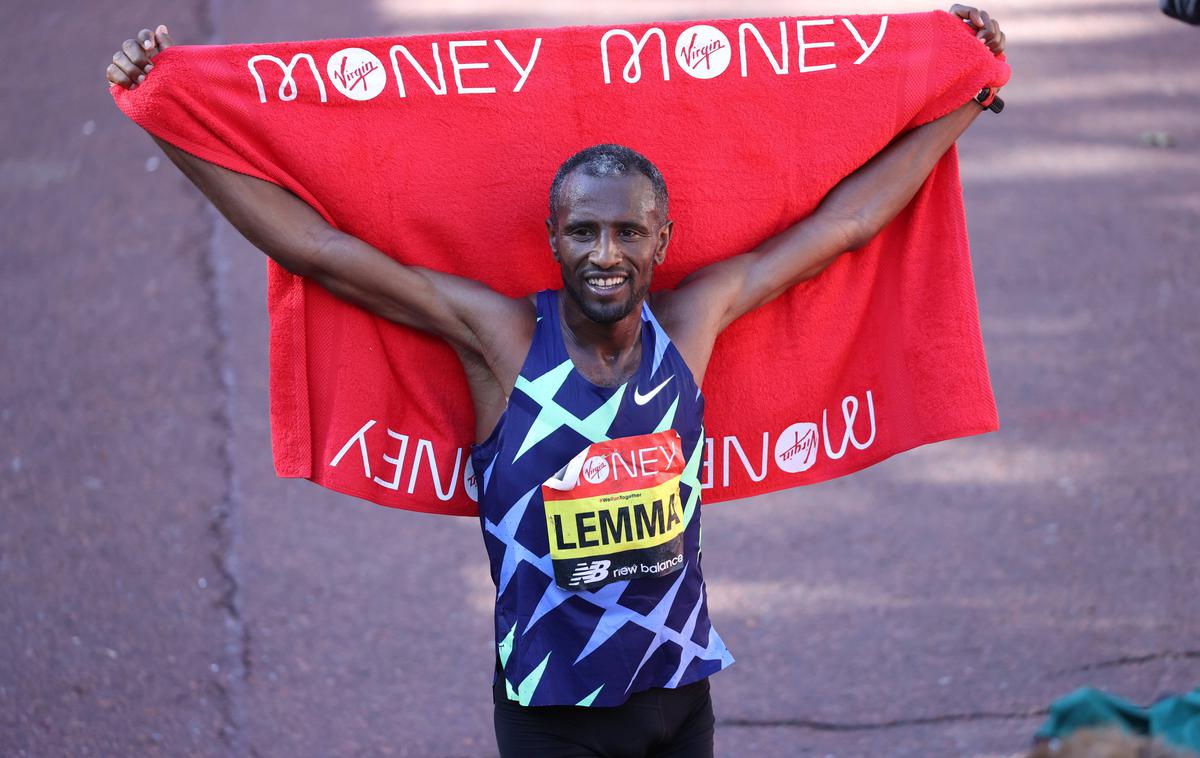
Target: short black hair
610,160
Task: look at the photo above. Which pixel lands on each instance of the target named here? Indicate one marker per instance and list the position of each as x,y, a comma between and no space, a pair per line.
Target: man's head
608,228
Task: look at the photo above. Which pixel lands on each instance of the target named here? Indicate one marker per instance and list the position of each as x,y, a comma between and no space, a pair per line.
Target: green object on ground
1174,720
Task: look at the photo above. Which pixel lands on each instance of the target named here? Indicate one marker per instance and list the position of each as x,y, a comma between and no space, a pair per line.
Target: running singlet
590,508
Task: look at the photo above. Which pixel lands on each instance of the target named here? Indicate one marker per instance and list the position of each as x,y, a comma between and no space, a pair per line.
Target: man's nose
607,252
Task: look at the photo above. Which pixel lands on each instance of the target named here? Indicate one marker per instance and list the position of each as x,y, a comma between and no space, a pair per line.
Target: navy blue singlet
591,647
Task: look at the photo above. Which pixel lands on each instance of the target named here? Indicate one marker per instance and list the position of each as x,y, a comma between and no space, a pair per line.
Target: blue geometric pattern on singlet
564,647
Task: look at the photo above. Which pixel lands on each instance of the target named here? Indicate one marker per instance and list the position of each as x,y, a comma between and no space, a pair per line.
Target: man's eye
629,233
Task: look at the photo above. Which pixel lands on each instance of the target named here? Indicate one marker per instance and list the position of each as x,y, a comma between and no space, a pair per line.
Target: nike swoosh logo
641,399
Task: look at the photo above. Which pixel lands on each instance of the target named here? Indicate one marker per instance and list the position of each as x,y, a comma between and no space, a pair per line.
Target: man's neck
606,354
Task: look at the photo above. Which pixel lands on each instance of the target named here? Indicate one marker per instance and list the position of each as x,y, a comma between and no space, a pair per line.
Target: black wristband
989,101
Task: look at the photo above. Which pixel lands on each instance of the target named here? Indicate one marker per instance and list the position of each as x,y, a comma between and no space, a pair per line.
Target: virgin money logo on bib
614,512
595,469
703,51
356,73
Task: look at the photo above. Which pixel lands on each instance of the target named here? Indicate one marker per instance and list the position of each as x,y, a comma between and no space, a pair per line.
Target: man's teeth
609,281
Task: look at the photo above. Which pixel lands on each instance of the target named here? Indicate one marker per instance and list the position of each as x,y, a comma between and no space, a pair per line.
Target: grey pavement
162,593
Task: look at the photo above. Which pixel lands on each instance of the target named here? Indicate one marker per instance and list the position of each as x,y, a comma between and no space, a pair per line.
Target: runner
587,413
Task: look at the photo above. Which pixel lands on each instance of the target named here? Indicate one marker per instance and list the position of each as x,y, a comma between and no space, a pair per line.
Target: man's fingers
117,76
146,40
997,45
131,63
979,20
962,11
163,37
134,74
136,54
992,37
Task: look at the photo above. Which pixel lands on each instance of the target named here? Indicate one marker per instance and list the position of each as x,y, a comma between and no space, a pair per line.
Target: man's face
607,237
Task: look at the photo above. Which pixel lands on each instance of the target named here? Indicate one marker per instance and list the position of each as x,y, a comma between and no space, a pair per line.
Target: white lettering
632,72
671,451
707,464
360,438
630,468
780,65
647,461
427,446
460,67
732,442
438,89
287,88
398,461
524,72
849,415
866,50
805,46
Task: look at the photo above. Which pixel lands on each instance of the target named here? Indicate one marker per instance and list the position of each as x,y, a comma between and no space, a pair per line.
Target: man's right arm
293,234
477,321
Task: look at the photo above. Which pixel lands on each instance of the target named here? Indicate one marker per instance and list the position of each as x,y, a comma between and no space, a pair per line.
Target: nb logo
590,572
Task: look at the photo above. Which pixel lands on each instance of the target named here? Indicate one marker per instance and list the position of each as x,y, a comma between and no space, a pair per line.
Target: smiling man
589,418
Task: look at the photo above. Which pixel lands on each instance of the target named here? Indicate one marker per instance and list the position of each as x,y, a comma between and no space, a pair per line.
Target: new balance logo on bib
614,513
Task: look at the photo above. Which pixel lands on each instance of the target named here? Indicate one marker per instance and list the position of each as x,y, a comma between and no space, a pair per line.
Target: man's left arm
853,212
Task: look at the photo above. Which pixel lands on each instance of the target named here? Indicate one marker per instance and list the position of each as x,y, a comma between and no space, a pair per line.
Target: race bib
614,513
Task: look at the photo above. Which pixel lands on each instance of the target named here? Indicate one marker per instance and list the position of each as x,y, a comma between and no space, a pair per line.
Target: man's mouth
605,284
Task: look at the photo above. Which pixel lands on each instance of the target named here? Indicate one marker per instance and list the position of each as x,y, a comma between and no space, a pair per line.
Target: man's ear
664,239
553,239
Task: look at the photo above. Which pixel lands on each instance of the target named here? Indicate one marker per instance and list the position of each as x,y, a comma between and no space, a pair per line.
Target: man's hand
987,30
131,64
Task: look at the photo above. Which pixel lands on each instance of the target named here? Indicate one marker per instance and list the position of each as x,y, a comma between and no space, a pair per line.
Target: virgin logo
595,469
470,482
796,448
356,73
703,51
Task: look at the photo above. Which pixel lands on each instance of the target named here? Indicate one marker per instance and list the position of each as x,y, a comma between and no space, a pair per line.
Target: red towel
440,150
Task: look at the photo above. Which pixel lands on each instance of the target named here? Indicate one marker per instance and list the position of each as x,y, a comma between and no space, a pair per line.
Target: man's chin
609,314
604,313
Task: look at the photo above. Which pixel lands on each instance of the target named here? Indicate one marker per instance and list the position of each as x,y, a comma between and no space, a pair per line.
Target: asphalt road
162,593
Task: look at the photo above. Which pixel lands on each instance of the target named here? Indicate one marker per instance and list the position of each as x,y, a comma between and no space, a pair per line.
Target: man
626,632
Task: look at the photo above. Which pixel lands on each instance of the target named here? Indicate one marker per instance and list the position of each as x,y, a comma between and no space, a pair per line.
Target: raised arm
488,331
293,234
847,219
853,212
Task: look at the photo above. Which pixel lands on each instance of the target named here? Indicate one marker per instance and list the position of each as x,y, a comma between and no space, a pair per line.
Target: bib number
614,512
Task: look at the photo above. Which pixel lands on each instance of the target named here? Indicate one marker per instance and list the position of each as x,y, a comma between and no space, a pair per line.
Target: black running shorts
658,722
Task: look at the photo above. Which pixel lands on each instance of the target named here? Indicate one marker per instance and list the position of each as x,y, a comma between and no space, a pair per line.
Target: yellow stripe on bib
614,523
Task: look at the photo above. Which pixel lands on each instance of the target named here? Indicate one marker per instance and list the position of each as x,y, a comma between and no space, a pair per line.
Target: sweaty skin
607,237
